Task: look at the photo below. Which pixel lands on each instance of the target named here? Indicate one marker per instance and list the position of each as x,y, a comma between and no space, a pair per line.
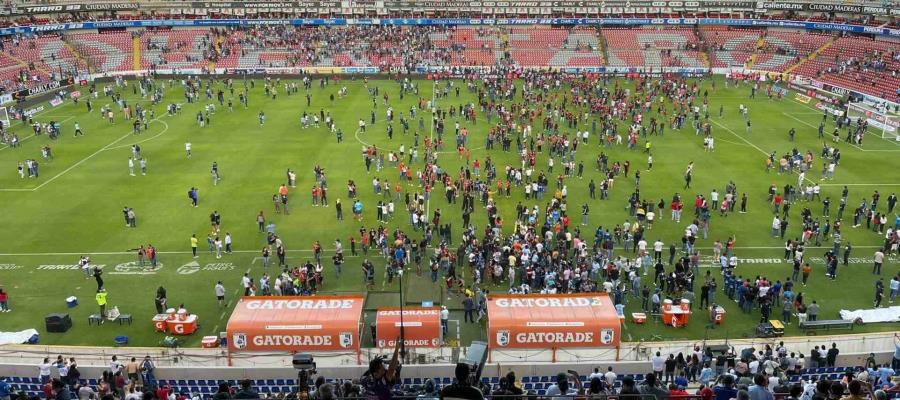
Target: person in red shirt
676,391
705,392
163,392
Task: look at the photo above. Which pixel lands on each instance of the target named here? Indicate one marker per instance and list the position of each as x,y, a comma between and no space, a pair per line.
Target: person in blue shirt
725,390
884,375
5,390
759,390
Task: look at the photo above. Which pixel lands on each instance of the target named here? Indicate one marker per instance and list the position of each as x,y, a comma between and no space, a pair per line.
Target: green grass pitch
74,207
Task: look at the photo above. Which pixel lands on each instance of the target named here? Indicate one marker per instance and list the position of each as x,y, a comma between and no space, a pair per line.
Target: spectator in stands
895,363
610,377
598,388
855,387
657,362
760,389
5,390
832,354
725,390
224,392
324,392
705,392
651,387
246,391
60,390
836,391
676,391
429,391
462,388
706,375
378,379
628,388
562,387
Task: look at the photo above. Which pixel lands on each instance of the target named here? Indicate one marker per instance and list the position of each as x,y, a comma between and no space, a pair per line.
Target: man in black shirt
462,388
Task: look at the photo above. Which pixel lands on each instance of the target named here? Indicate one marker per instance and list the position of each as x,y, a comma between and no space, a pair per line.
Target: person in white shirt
245,283
115,365
44,371
610,377
657,362
596,374
187,149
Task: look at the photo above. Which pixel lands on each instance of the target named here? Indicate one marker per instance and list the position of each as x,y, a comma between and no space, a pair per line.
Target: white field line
73,166
851,144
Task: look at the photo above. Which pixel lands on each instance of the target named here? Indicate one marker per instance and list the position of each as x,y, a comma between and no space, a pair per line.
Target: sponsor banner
27,113
829,109
5,98
460,21
88,7
45,87
56,101
542,321
309,323
75,95
771,5
421,327
802,98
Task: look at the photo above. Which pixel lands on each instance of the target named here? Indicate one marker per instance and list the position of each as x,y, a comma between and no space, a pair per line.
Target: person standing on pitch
194,243
220,293
101,302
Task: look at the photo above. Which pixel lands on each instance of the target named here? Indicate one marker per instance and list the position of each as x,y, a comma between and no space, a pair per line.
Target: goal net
880,121
4,117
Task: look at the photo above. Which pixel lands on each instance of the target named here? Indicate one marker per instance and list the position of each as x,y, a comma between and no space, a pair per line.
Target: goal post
4,117
880,121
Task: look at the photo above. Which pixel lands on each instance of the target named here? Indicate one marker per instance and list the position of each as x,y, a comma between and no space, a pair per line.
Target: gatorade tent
302,324
541,321
421,327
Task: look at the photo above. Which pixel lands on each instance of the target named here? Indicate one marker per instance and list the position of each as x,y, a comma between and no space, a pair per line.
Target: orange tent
552,320
309,323
421,327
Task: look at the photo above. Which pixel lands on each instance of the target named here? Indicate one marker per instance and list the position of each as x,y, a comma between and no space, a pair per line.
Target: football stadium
449,199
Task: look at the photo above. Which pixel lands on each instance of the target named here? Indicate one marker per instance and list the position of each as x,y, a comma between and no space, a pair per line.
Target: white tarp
16,337
890,314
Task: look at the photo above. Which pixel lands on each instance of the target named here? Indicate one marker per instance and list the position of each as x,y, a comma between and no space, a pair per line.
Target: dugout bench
811,327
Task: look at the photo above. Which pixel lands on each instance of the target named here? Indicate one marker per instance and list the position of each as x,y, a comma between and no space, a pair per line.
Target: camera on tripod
306,367
305,362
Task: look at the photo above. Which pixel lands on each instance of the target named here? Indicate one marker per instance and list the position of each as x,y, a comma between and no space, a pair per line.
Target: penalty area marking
102,149
851,144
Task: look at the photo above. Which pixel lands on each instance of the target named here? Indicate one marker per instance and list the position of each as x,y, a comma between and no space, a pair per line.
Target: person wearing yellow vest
101,301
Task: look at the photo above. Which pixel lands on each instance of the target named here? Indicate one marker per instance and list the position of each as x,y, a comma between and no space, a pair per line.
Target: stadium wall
632,357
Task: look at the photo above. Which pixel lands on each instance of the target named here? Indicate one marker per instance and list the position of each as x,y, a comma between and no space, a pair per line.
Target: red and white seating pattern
653,47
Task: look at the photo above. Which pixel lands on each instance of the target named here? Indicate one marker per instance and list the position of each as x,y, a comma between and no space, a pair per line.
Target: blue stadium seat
270,382
417,381
279,382
526,379
545,379
290,382
527,386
